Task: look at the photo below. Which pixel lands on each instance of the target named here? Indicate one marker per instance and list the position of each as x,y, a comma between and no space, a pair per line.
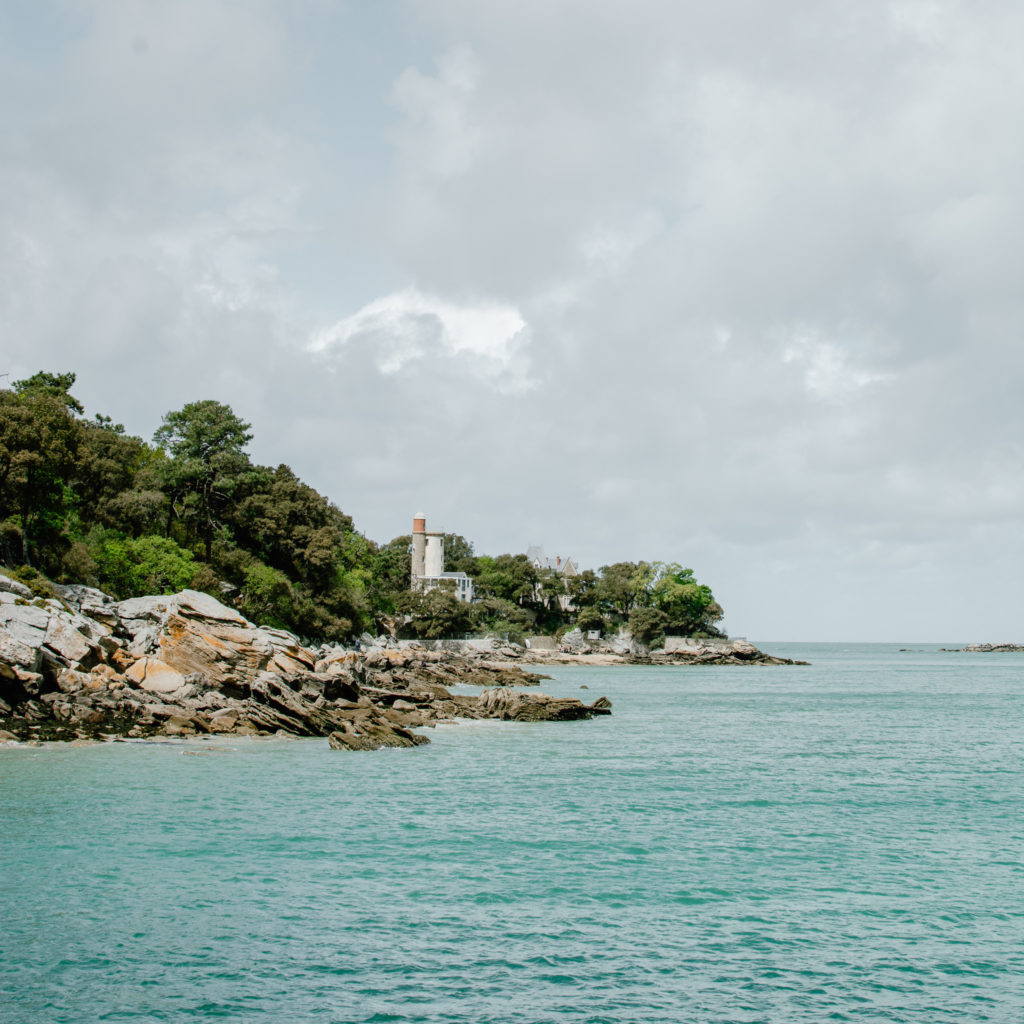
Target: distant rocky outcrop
985,649
83,665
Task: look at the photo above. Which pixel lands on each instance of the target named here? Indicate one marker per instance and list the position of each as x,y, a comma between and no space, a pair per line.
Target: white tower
419,545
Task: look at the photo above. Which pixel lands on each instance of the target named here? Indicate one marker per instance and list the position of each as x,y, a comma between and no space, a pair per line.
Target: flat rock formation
985,648
85,666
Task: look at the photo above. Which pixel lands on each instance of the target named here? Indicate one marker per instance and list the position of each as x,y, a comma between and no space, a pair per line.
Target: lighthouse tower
419,547
427,562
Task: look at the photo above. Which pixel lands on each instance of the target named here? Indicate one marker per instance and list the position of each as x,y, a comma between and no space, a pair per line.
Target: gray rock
16,587
68,642
16,654
24,622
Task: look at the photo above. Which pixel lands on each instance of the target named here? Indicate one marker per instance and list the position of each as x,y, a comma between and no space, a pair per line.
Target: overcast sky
734,284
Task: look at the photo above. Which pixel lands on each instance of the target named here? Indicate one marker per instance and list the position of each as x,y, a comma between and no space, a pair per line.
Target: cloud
733,285
486,340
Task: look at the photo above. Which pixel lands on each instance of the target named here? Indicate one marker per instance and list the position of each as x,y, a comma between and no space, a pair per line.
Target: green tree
104,477
39,440
206,444
458,554
435,613
689,606
510,577
623,587
56,385
582,589
390,569
590,618
647,625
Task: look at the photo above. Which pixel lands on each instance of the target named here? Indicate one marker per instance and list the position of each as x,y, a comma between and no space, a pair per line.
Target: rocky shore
83,666
575,649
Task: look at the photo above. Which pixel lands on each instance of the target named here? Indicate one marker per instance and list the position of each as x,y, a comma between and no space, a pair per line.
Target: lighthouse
427,562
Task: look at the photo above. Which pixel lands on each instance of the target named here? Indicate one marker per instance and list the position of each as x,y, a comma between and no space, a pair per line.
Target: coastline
87,667
83,666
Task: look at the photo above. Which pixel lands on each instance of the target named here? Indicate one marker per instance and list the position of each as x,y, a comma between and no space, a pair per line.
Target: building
427,568
563,567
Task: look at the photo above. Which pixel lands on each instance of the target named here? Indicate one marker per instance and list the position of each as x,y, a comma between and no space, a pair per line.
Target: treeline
82,501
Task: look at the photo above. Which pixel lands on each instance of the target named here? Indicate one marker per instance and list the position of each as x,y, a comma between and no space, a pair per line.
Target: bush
147,565
266,596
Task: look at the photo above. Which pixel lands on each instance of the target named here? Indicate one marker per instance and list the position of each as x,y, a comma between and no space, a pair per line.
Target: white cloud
487,339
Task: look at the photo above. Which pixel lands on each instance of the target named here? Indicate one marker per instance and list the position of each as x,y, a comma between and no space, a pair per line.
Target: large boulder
155,676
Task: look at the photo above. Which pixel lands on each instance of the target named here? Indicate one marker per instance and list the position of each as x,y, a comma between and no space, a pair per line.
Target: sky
736,285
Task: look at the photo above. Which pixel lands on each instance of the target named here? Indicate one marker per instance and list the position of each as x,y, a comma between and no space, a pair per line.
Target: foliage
434,613
647,625
83,501
205,441
266,596
134,567
689,607
510,577
590,618
39,440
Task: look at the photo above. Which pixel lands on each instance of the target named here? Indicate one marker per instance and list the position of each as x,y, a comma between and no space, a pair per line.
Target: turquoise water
842,842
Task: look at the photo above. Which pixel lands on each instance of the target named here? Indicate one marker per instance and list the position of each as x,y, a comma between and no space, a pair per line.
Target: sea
842,841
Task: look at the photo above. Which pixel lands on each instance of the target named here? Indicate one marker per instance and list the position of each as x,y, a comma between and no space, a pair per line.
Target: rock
71,681
513,706
288,653
15,587
222,650
18,655
155,676
7,737
25,623
69,642
372,733
185,663
223,720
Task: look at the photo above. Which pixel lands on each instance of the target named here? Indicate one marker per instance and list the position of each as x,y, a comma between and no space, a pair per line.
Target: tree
105,474
511,577
623,586
206,444
689,606
458,554
581,589
39,439
266,596
56,385
590,618
390,569
435,613
647,625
